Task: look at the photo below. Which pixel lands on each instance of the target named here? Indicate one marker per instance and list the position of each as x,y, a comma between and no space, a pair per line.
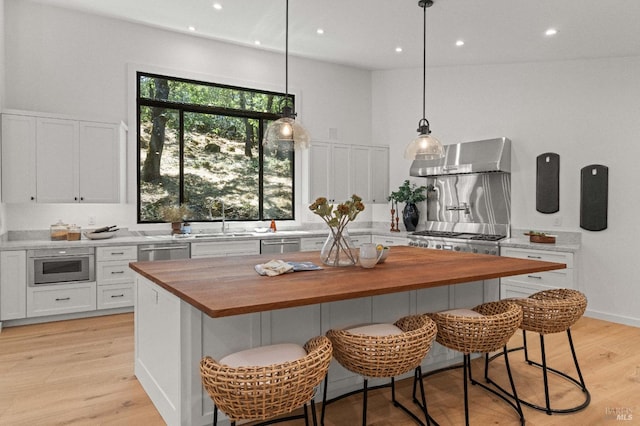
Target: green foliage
409,193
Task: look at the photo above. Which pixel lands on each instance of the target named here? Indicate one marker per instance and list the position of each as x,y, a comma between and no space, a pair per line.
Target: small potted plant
175,215
410,194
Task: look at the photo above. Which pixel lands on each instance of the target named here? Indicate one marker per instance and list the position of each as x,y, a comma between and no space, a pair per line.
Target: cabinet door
57,160
319,174
340,173
360,172
18,158
379,175
99,168
13,285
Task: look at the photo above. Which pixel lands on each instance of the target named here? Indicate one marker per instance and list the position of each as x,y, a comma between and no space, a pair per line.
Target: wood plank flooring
80,372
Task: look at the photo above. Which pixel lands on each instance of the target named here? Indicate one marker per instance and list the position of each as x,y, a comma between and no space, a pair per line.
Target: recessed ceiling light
320,31
192,28
459,43
398,49
551,32
257,42
217,6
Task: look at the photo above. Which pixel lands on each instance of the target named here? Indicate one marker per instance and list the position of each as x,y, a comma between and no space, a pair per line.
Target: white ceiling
364,33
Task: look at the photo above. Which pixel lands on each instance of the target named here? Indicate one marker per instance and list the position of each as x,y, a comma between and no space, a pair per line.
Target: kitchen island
186,309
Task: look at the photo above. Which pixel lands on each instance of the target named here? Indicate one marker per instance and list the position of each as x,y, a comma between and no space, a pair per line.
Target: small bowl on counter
385,254
100,235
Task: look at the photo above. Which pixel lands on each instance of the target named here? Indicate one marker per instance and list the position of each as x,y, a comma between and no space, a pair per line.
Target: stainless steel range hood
491,155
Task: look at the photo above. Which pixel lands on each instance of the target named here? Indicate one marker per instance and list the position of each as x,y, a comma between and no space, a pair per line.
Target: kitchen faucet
221,201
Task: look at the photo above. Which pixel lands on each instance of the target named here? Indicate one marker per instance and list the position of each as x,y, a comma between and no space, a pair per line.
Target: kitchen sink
223,234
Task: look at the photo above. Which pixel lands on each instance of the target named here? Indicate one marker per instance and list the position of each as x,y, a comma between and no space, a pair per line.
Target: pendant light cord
424,61
286,53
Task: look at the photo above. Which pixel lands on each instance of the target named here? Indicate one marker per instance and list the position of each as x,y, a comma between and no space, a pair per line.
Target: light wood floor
80,372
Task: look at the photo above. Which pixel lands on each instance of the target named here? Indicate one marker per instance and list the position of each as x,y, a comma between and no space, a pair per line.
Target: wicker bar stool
384,351
483,329
268,381
548,312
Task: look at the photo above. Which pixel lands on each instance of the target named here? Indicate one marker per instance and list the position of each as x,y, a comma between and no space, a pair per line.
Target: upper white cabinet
336,171
55,160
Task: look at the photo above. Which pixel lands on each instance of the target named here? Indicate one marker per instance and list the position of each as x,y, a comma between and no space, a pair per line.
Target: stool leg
513,385
364,402
313,412
324,399
418,373
467,361
306,415
575,359
215,415
544,374
524,345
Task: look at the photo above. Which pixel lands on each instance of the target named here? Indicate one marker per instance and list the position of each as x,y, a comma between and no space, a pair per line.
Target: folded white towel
273,268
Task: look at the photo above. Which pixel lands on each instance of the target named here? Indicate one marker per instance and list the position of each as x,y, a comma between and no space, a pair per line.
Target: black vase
410,216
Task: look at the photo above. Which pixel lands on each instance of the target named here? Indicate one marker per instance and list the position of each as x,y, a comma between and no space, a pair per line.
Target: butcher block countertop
225,286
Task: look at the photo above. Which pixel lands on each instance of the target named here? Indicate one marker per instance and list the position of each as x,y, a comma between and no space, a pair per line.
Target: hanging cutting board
594,197
548,183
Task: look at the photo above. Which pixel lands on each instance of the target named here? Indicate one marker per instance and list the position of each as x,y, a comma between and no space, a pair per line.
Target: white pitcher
369,255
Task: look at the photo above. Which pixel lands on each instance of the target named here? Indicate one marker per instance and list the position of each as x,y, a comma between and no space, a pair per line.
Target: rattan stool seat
548,312
263,389
482,329
384,351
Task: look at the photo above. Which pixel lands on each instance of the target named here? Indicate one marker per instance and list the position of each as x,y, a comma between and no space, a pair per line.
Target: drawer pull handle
534,257
120,253
535,276
117,295
117,272
62,299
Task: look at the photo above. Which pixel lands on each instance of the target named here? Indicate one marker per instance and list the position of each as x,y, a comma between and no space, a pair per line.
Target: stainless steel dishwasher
163,251
279,245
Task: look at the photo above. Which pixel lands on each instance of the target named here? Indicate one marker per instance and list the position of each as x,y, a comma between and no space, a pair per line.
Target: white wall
586,111
71,63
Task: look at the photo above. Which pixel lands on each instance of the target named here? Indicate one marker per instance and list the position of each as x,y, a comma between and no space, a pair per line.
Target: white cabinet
379,173
115,280
359,240
224,248
56,160
386,240
18,158
312,243
336,171
13,285
61,299
527,284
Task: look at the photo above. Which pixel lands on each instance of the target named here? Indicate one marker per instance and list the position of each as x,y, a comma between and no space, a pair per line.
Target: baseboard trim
63,317
619,319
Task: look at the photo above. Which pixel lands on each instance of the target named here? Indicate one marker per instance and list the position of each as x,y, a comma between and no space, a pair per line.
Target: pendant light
286,128
425,146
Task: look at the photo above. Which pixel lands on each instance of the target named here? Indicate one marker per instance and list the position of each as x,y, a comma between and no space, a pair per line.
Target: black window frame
262,117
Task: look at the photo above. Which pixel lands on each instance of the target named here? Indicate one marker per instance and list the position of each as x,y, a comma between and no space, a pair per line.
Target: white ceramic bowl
99,235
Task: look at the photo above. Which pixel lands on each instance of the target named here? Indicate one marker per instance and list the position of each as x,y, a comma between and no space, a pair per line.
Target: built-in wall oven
60,266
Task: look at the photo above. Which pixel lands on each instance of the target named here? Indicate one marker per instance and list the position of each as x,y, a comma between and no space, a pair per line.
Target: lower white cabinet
13,285
312,243
386,240
61,299
527,284
114,277
224,248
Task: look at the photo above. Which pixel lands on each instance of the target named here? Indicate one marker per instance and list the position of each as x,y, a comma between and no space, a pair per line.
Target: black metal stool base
304,416
365,389
545,369
468,377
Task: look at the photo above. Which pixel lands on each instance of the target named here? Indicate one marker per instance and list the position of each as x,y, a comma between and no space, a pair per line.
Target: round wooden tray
545,239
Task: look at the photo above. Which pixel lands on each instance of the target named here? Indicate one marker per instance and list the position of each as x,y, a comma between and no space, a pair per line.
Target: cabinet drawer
562,278
389,241
508,290
115,296
225,248
360,239
546,255
312,244
114,273
61,299
117,253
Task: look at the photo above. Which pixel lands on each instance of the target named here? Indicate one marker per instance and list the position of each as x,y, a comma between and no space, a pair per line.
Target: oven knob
438,246
475,250
493,252
456,248
411,243
486,252
423,245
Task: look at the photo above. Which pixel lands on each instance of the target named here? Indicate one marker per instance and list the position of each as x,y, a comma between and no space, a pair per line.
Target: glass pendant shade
424,147
286,129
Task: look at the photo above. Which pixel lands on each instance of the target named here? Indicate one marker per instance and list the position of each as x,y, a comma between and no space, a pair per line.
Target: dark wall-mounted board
594,197
548,183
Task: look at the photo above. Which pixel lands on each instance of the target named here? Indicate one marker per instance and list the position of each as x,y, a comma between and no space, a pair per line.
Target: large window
200,145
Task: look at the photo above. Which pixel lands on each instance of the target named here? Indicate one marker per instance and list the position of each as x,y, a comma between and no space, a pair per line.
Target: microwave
60,266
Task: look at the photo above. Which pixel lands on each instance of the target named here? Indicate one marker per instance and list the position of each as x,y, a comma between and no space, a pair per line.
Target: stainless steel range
469,198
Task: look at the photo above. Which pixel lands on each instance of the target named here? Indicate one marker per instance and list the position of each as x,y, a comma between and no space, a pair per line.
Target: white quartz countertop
523,242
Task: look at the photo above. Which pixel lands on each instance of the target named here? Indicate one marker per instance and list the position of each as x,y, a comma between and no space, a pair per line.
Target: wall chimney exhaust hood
491,155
